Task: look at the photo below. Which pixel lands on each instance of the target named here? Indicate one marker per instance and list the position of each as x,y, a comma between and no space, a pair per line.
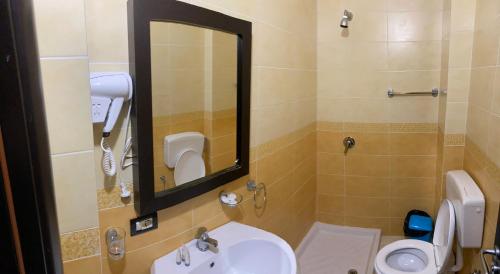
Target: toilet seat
407,256
189,167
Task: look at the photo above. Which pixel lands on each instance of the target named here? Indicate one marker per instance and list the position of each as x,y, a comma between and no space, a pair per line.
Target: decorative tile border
454,140
109,198
368,127
80,244
377,127
414,127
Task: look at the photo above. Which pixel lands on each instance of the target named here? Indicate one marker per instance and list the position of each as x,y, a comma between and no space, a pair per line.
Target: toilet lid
189,167
444,232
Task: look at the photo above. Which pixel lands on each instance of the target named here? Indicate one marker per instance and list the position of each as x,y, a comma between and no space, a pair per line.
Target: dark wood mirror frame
140,14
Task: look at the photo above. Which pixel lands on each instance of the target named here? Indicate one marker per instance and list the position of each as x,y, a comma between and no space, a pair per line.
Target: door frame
23,124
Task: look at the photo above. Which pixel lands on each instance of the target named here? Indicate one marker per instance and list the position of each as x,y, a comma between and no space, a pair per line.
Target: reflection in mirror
194,89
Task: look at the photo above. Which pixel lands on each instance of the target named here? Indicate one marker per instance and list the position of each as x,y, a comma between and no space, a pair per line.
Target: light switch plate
143,224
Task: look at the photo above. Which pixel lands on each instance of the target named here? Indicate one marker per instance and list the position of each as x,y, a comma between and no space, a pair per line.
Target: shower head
344,22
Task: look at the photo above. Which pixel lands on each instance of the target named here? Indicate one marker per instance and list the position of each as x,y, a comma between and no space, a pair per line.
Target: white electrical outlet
100,107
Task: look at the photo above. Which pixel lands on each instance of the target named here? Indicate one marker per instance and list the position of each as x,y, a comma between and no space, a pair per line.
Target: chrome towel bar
433,93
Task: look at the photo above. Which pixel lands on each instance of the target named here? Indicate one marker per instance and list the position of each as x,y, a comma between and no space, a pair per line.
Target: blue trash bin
418,225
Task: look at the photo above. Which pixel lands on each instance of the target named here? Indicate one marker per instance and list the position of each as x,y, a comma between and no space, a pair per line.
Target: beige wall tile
493,151
332,204
351,82
358,54
478,126
415,26
367,186
413,143
453,158
412,187
74,180
486,13
331,218
83,266
486,46
414,55
401,206
374,110
367,207
330,163
414,110
55,40
456,117
397,225
384,224
367,165
418,5
481,87
106,27
462,15
460,49
330,142
66,88
331,184
458,85
413,166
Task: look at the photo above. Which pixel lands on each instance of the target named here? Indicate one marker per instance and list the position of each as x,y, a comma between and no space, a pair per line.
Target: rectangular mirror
194,89
191,108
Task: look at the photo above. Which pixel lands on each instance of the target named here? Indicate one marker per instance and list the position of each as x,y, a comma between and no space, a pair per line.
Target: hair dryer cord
108,159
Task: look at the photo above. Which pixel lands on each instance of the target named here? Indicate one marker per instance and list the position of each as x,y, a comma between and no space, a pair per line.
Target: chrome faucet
204,242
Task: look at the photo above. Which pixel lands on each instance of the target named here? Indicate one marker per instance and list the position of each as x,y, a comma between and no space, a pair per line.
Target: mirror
194,88
191,107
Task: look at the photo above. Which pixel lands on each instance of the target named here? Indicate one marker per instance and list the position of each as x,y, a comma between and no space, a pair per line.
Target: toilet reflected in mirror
194,81
183,153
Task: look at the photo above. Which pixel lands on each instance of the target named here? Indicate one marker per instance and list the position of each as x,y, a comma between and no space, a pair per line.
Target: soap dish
230,199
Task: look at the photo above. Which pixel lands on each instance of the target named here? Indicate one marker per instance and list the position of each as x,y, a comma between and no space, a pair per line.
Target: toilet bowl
463,211
189,167
416,256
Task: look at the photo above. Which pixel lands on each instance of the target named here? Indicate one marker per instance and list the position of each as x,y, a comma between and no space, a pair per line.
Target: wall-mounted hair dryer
109,90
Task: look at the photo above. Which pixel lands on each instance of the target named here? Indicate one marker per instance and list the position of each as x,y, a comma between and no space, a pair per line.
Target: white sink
242,250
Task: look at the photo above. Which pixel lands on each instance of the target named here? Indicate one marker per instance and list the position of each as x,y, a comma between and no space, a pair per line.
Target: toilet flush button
478,210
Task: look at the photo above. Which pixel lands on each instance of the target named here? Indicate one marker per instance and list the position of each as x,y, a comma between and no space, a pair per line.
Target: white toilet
183,152
462,211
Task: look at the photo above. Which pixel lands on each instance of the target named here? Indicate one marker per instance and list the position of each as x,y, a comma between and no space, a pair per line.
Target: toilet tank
468,202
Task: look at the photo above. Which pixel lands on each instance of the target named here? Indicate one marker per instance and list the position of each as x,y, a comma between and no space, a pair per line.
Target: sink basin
242,250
